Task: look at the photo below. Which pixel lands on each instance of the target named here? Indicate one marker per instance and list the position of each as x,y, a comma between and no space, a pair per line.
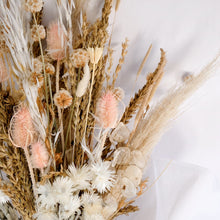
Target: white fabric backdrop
189,31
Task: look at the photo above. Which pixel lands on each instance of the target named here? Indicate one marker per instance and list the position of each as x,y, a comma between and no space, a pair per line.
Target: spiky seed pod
3,70
63,99
79,58
49,69
107,110
33,5
39,155
21,129
56,41
34,32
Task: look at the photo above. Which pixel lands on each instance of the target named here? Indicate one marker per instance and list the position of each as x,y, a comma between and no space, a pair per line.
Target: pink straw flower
21,128
3,70
56,41
39,155
107,110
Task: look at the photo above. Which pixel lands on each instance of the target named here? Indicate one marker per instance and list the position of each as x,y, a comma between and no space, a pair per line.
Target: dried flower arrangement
65,150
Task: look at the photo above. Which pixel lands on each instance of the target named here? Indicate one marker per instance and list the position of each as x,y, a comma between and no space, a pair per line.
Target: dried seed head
21,128
119,93
37,65
128,189
63,99
133,173
137,158
56,41
37,79
3,70
107,110
79,58
121,156
39,155
120,134
34,32
49,69
33,5
95,54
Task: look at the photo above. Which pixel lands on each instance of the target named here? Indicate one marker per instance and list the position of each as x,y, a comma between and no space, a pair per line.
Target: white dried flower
69,207
63,188
45,215
120,133
103,176
128,189
79,58
121,156
134,174
3,198
46,196
38,31
80,177
33,5
84,82
110,206
95,54
137,158
92,206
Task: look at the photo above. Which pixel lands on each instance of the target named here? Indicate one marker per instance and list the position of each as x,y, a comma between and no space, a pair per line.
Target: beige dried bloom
37,79
121,156
38,29
127,187
63,99
134,174
95,54
37,65
79,58
49,68
33,5
120,133
137,159
110,206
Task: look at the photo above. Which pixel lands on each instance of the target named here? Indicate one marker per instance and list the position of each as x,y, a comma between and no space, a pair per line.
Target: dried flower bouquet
65,150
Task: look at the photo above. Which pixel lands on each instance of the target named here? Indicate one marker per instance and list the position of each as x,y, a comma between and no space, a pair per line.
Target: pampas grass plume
3,70
56,41
21,127
107,110
39,155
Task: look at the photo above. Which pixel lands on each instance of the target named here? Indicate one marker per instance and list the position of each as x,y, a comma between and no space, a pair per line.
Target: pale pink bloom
21,127
39,155
3,70
56,41
107,110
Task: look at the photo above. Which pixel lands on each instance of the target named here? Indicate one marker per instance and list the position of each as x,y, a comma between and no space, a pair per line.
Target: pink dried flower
107,110
39,155
3,70
56,41
21,128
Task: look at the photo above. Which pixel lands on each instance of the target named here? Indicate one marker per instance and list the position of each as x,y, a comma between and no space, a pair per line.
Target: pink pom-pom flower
39,155
21,128
56,41
107,110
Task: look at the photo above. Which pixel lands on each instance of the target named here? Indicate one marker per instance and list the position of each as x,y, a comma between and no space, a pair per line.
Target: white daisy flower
63,189
46,196
69,207
81,177
103,176
3,198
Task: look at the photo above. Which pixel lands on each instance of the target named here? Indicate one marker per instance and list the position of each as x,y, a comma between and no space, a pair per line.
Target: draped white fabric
189,31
